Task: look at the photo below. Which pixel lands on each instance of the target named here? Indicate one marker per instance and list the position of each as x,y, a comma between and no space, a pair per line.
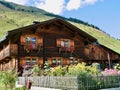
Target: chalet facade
55,41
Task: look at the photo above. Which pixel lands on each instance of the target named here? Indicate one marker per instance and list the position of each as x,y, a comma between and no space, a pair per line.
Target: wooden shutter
23,39
23,62
72,43
40,61
40,41
58,42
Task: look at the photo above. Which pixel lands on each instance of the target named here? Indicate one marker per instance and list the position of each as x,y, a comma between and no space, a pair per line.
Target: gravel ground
111,89
38,88
41,88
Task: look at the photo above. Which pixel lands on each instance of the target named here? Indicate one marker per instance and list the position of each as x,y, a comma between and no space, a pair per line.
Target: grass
16,88
21,88
11,19
102,38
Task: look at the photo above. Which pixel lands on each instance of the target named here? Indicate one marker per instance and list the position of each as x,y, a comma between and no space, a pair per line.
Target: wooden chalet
56,41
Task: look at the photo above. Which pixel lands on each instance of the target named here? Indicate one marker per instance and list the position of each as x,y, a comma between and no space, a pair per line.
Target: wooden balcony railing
30,50
10,50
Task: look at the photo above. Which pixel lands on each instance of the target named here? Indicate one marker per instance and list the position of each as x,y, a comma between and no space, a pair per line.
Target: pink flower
109,72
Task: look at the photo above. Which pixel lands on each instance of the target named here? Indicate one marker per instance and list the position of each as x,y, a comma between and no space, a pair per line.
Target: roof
72,27
109,49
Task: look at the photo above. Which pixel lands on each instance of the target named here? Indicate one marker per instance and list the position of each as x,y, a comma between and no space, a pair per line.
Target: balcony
10,50
30,50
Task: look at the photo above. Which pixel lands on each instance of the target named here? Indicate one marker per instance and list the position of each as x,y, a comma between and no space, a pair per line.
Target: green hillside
14,16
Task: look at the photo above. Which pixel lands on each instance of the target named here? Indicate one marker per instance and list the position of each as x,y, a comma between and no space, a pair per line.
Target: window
31,61
75,61
71,61
54,61
28,61
65,43
34,61
31,40
28,40
59,62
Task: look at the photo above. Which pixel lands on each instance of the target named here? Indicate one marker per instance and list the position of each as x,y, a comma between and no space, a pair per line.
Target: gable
59,22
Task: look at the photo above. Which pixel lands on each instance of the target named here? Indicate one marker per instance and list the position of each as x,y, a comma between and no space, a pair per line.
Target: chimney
35,22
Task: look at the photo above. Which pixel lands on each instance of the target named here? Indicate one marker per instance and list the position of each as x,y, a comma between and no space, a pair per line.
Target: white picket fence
71,83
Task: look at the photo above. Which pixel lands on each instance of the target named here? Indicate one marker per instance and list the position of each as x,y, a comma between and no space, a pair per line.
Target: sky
104,14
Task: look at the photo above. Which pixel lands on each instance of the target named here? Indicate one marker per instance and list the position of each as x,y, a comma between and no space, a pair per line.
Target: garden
75,77
72,77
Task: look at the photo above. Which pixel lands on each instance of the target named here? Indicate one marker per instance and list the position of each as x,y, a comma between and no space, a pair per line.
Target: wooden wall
50,36
100,53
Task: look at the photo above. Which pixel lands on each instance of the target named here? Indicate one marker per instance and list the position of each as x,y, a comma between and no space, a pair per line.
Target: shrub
36,70
117,66
72,70
57,71
75,70
8,79
46,68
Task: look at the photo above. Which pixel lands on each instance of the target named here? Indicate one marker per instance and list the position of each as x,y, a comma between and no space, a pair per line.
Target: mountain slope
14,16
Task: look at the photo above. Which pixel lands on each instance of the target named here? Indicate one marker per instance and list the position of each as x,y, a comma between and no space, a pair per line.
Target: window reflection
33,40
34,61
31,61
28,39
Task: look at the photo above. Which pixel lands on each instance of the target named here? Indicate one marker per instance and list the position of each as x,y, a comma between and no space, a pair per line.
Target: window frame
31,60
30,40
65,43
56,61
30,43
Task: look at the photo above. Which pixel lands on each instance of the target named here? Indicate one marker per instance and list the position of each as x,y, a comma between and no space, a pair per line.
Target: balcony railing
10,50
30,50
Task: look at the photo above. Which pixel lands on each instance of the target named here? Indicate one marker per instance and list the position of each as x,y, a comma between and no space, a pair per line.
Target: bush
36,70
75,70
8,79
72,70
117,66
58,71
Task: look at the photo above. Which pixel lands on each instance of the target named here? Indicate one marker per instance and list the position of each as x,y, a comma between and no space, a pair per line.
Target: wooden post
44,50
9,42
108,55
